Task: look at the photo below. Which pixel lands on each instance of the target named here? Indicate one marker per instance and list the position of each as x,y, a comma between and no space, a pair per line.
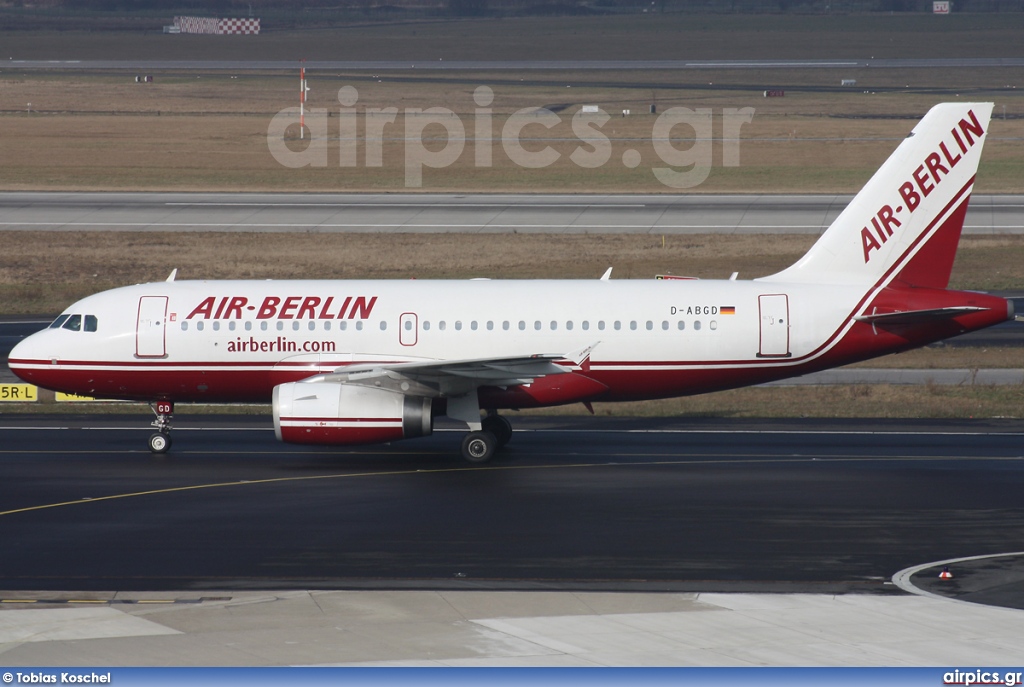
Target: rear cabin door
150,331
774,309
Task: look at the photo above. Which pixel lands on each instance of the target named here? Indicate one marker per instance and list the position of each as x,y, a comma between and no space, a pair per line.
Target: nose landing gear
160,442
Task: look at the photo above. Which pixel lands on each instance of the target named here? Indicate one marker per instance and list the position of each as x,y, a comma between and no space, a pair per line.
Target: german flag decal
727,310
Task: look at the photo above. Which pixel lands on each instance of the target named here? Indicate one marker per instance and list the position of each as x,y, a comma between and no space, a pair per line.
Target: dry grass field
208,130
43,272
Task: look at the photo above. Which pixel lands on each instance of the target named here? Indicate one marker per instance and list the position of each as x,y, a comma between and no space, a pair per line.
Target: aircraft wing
454,377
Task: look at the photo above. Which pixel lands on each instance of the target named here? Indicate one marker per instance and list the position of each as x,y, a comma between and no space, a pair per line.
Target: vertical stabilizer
905,223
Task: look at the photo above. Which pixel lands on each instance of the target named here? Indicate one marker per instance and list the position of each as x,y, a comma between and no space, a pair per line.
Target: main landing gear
160,442
479,446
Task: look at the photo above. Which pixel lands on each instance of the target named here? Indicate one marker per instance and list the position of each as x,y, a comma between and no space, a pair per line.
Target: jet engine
332,413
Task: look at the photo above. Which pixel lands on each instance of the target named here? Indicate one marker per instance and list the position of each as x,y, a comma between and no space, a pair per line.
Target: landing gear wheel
159,442
500,427
479,447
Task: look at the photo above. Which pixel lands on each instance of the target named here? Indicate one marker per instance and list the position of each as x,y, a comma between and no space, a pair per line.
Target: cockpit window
90,323
74,323
59,322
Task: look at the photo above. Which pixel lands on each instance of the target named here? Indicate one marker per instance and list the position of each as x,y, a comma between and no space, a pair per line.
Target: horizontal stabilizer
917,316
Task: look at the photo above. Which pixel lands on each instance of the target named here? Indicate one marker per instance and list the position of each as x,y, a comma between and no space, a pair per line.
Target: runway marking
113,602
398,205
902,578
417,225
687,460
482,228
452,430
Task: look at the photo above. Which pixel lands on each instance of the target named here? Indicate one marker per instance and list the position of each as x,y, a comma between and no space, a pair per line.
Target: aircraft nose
24,351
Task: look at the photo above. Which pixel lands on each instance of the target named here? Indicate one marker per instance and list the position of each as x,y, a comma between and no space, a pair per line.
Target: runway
456,213
573,504
514,65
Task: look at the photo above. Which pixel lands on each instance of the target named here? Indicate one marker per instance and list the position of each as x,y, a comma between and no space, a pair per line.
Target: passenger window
682,325
312,325
280,326
383,325
426,325
327,326
343,325
408,325
263,326
650,325
199,326
554,325
231,325
248,326
505,325
59,322
458,325
632,325
490,325
586,325
295,326
537,325
618,325
600,325
664,325
522,325
359,325
184,326
696,325
568,325
472,325
74,323
216,325
714,325
441,325
90,323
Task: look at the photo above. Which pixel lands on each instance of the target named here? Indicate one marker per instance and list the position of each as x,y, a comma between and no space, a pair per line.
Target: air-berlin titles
925,179
285,308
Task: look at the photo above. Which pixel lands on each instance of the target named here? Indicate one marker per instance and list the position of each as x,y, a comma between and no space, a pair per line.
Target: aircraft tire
479,447
500,427
159,442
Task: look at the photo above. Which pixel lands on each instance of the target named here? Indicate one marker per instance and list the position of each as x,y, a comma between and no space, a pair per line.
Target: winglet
174,273
607,274
579,357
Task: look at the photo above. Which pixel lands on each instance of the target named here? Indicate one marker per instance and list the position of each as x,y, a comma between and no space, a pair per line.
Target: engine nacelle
331,413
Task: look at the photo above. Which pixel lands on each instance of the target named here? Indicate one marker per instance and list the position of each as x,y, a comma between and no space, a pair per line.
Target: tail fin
905,223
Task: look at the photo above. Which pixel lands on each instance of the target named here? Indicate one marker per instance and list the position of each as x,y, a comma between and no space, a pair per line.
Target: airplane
360,362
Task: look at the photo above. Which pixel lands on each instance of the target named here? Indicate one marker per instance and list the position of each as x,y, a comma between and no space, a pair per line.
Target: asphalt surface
683,505
456,213
512,65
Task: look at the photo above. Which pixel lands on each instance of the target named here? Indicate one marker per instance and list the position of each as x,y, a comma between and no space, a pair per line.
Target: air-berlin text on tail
925,179
285,308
